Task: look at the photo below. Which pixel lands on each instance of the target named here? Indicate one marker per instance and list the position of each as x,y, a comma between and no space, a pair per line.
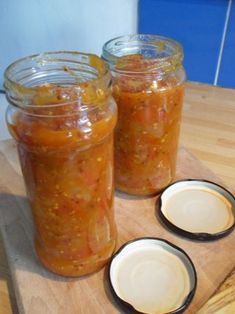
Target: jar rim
163,51
65,69
43,57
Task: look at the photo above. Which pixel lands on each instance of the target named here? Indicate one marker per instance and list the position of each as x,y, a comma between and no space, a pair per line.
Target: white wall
32,26
4,134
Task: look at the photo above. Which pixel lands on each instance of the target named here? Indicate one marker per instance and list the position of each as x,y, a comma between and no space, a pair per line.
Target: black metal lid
197,209
152,275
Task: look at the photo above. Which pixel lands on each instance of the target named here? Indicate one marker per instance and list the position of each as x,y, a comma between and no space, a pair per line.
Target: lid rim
129,308
198,236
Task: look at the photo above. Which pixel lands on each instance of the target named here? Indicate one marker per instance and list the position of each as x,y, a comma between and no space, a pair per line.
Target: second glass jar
148,86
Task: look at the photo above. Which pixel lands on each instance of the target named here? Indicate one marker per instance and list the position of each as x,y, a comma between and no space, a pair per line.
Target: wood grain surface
208,130
223,301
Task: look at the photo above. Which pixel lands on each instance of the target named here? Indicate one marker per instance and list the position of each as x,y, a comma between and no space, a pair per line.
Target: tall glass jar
148,86
62,116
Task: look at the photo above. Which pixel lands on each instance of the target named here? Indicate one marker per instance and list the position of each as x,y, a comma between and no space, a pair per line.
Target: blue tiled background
199,26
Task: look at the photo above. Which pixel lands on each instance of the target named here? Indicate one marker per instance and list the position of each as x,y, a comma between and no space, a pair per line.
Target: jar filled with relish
148,86
62,116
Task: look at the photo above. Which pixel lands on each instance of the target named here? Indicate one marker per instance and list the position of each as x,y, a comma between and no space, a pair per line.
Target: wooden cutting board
39,291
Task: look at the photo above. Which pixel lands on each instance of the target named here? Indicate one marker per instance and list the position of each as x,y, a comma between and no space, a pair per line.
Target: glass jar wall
148,86
62,117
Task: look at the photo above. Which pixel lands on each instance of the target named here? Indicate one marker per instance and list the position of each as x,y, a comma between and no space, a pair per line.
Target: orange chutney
65,145
149,94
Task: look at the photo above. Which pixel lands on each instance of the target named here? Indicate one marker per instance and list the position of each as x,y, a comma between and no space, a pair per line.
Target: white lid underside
151,279
198,209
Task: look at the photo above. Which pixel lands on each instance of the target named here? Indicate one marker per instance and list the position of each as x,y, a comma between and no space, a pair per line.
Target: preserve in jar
148,86
62,116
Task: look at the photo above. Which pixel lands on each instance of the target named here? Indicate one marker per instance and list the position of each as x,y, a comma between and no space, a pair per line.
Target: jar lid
197,209
152,275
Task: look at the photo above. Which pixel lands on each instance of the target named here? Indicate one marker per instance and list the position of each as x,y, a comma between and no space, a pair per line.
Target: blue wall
199,26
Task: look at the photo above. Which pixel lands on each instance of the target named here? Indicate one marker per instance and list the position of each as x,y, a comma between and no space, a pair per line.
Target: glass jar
62,115
148,86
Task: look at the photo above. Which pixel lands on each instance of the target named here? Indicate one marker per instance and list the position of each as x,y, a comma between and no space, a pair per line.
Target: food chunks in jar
147,132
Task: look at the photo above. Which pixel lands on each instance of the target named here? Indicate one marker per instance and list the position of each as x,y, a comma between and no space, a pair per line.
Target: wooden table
208,131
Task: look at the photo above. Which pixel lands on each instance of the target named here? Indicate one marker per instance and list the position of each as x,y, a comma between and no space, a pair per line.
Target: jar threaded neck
158,54
68,70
